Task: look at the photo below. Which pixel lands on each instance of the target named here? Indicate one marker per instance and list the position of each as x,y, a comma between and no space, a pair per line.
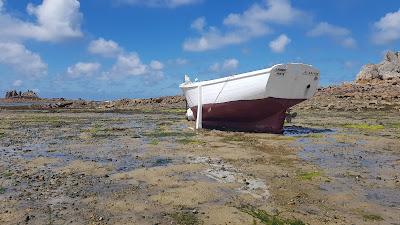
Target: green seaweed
98,130
309,175
162,133
315,135
394,125
268,219
372,217
175,111
363,126
190,141
282,138
154,142
238,138
186,218
7,174
2,190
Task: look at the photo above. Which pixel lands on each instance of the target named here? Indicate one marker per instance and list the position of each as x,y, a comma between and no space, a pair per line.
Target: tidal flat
149,167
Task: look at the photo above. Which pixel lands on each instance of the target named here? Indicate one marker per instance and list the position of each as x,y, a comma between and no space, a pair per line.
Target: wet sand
143,167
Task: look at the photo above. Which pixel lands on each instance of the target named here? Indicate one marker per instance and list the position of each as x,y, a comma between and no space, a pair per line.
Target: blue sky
108,49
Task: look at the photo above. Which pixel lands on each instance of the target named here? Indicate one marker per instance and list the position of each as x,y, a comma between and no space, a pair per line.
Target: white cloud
213,39
387,29
253,22
54,20
216,67
279,44
339,34
83,69
325,28
180,61
199,24
128,64
22,60
349,42
16,83
107,48
159,3
276,11
227,65
154,77
230,64
156,65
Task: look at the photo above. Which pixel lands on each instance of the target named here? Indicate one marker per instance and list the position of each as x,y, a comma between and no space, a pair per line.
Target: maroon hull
261,115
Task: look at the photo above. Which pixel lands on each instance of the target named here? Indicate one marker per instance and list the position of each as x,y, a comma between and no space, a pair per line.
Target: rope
226,82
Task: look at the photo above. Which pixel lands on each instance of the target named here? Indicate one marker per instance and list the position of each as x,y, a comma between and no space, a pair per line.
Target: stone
368,72
388,69
28,94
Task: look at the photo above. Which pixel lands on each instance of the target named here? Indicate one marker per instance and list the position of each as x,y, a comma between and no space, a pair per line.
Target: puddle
131,163
223,172
298,130
386,197
122,163
355,169
22,104
66,145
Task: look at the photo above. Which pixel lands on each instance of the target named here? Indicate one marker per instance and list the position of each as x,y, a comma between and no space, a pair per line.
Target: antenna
187,79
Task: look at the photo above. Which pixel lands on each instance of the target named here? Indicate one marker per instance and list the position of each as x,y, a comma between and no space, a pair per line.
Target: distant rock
374,94
18,94
388,69
377,87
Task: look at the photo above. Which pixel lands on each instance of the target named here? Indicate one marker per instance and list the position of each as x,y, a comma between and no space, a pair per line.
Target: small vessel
253,102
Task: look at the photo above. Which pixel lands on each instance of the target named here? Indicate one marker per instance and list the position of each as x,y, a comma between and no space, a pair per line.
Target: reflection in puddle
387,197
355,169
298,130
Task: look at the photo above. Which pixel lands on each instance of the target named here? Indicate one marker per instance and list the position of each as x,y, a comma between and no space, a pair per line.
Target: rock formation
28,94
387,70
377,87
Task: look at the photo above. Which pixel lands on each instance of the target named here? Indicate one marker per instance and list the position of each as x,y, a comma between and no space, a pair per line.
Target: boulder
28,94
388,69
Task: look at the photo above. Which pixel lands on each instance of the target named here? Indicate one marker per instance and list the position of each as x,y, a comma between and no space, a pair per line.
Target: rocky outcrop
28,94
360,96
388,69
170,101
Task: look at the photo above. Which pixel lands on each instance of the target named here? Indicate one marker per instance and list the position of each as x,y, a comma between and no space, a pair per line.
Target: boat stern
293,81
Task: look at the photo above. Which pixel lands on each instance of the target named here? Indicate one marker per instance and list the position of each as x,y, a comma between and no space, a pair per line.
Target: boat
255,101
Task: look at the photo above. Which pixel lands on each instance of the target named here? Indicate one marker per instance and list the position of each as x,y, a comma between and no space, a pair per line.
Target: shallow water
351,165
24,104
298,130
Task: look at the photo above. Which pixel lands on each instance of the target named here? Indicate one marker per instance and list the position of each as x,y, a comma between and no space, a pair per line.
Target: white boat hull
254,101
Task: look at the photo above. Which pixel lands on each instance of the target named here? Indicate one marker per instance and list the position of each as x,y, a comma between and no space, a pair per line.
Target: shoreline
358,96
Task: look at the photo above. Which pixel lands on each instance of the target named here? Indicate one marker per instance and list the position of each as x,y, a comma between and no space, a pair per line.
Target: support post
199,118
